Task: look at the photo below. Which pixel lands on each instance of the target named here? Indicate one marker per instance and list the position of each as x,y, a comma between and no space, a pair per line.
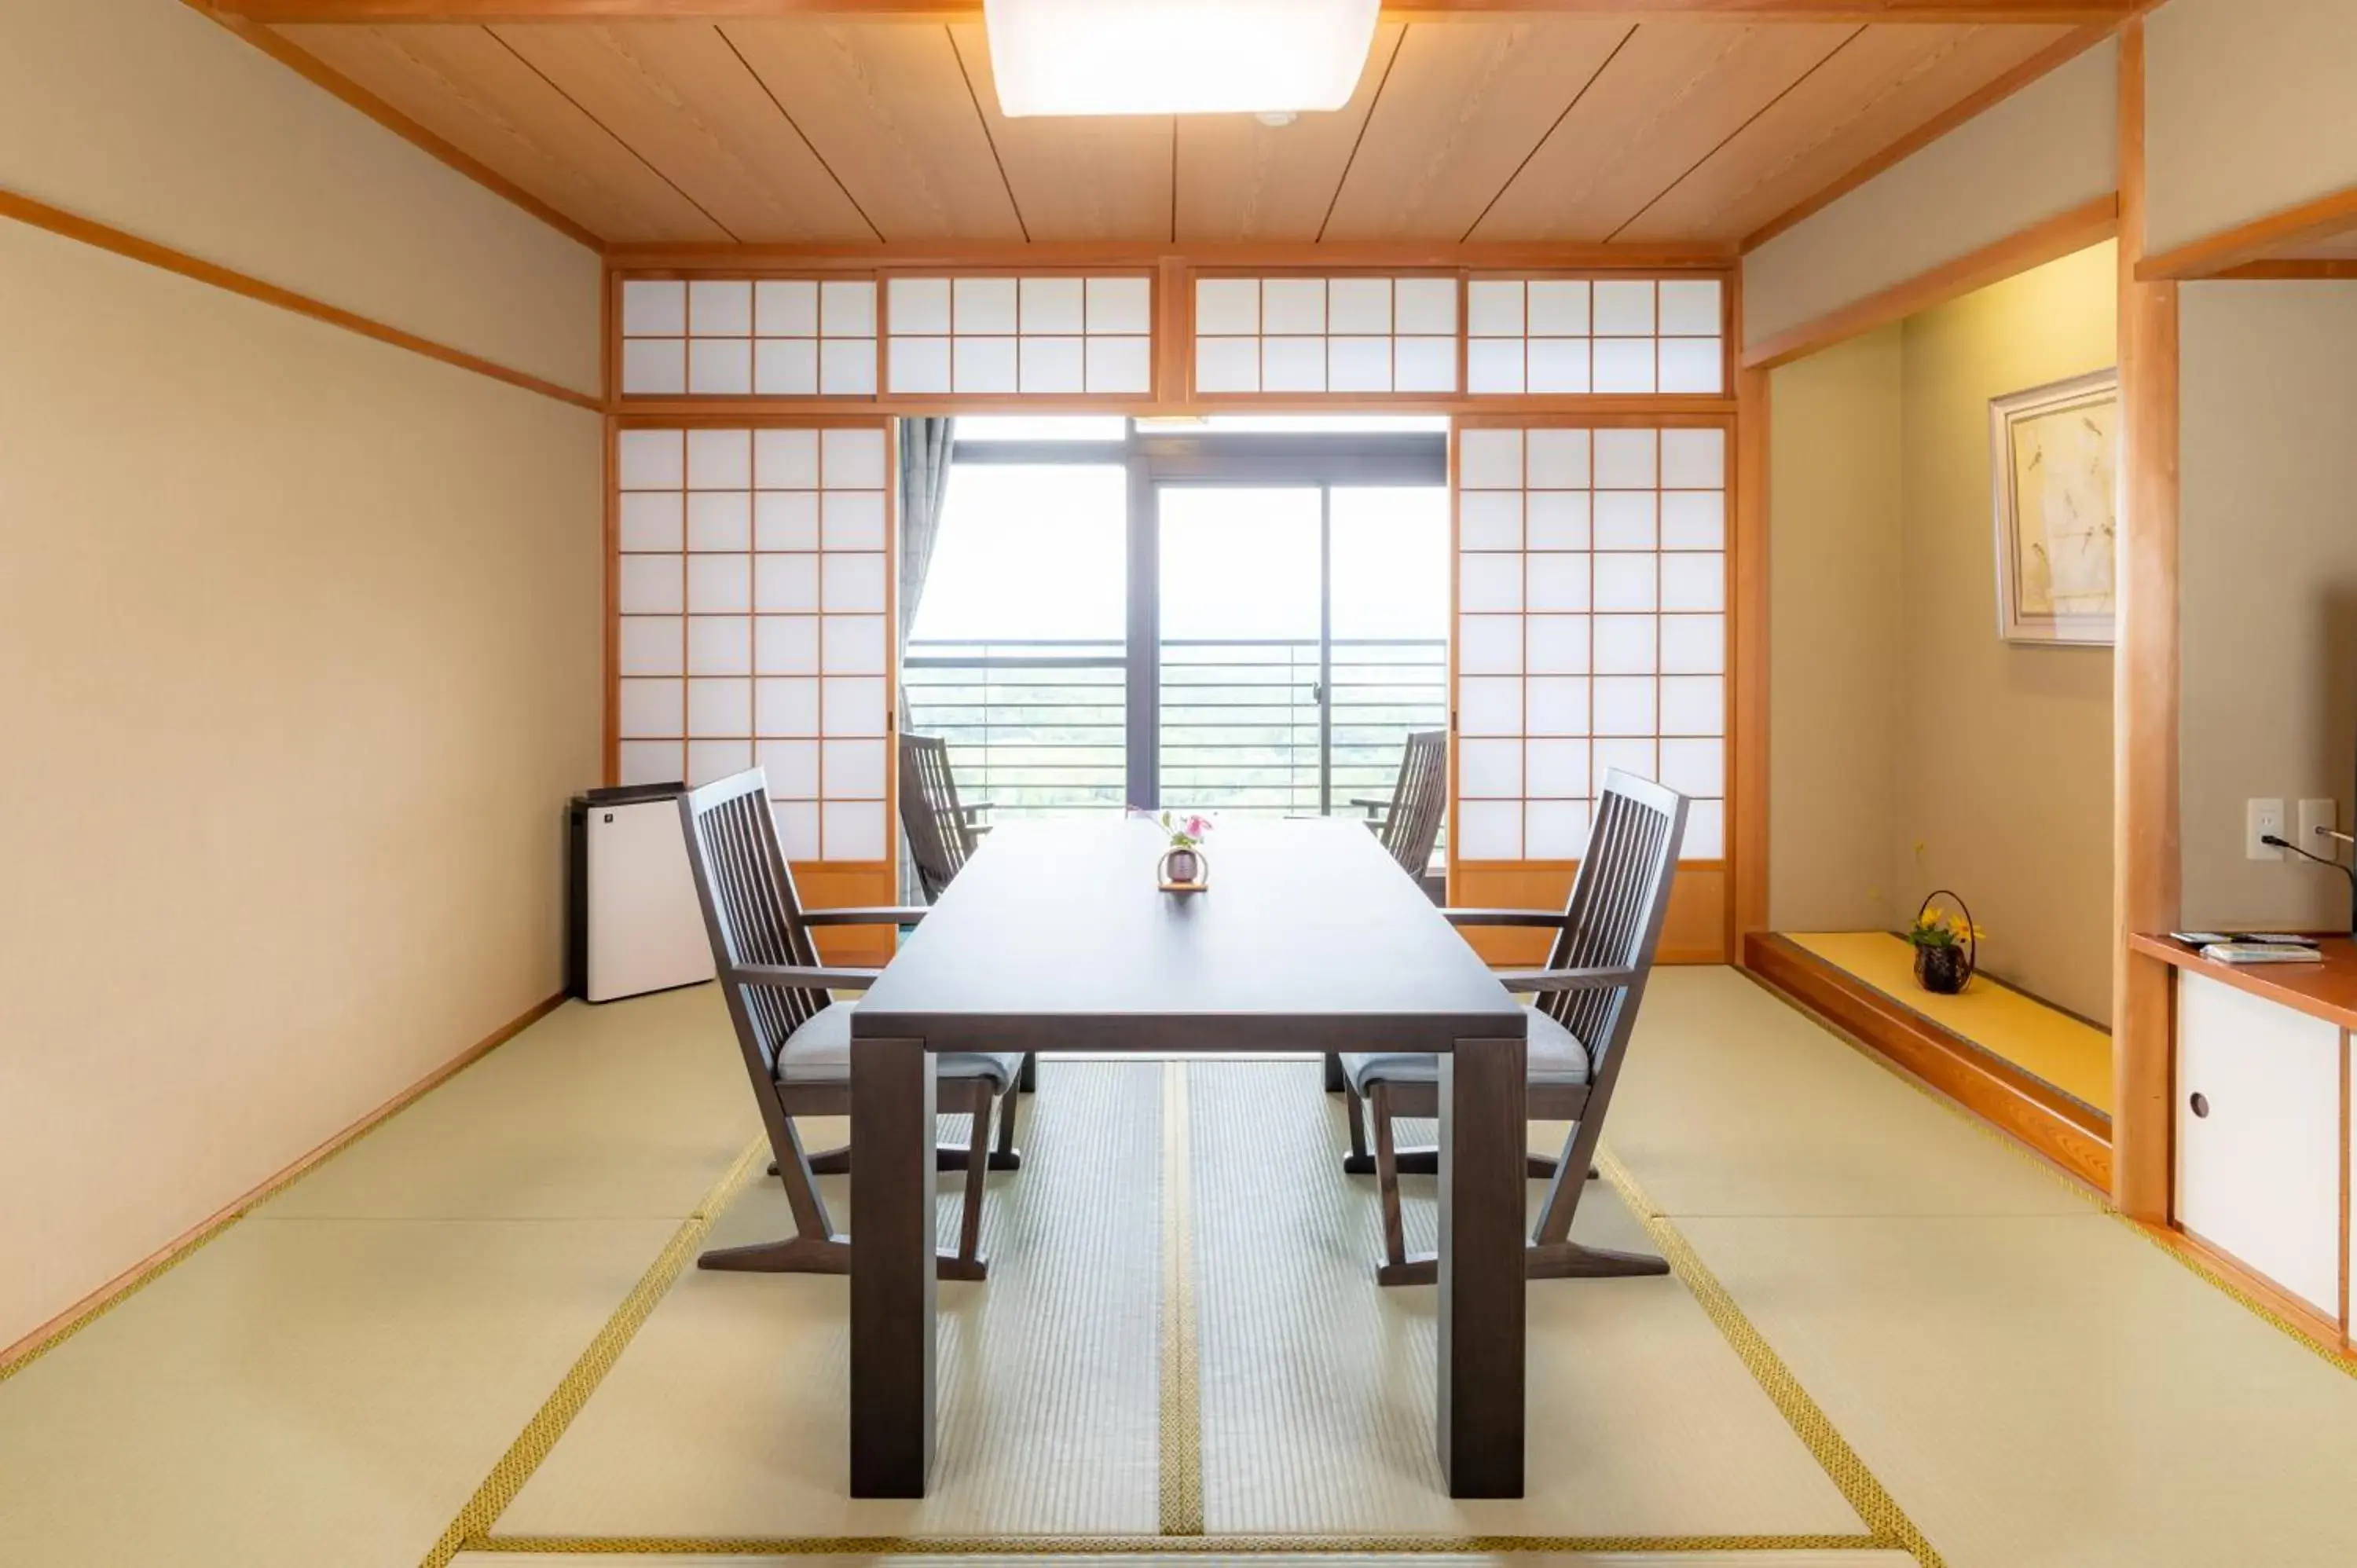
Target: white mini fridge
635,924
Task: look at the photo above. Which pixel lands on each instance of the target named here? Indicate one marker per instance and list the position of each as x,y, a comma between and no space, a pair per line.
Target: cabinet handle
2200,1103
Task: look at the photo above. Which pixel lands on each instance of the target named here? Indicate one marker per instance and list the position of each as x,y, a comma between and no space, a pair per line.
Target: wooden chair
796,1037
1588,995
1409,824
942,831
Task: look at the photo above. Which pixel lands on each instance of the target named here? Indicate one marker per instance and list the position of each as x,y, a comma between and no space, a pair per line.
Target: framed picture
2054,461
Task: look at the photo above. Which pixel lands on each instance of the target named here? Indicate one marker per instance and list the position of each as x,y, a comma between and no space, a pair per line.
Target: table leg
892,1277
1483,1135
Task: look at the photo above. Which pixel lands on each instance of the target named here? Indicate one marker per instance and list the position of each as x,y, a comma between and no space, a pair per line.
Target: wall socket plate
2314,815
2262,818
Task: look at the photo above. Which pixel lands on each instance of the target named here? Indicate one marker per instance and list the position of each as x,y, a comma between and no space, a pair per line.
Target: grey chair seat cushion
1557,1060
820,1052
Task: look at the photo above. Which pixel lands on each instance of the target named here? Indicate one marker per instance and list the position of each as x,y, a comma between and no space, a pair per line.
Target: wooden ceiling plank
1677,91
679,97
1240,179
461,85
1935,12
1461,109
1076,177
887,109
1883,86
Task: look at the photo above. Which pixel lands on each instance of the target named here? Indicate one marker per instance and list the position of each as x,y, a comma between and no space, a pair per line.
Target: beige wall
2267,590
1909,748
302,633
1835,618
2006,776
2048,148
148,116
2252,108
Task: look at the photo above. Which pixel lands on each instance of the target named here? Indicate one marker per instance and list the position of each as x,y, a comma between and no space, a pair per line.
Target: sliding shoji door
754,612
1591,634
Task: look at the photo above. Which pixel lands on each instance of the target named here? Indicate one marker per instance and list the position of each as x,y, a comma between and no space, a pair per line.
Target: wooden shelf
2326,991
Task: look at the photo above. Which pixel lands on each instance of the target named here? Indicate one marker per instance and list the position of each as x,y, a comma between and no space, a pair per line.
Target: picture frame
2054,473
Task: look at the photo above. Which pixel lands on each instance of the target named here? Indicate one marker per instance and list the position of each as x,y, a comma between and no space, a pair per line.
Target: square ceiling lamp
1177,56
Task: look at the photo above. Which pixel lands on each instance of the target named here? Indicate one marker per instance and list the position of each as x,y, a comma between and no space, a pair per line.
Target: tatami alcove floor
470,1330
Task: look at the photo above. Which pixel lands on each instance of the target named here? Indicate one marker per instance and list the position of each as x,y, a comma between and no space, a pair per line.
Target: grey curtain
924,482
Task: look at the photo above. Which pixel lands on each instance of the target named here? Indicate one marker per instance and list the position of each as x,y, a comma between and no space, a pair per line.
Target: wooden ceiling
1519,127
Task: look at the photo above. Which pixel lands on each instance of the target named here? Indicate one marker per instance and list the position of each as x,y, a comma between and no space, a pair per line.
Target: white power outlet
2315,816
2264,817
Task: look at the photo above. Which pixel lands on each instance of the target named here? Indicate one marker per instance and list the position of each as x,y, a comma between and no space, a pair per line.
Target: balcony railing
1038,727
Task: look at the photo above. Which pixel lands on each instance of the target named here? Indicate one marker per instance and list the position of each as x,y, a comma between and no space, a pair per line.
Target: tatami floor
477,1336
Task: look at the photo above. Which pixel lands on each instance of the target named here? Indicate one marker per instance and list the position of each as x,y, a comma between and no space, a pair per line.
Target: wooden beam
2058,236
2261,240
2045,12
1748,606
2053,57
2146,867
1411,254
105,237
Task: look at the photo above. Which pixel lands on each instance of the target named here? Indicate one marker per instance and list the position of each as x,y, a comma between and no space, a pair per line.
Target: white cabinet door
2258,1136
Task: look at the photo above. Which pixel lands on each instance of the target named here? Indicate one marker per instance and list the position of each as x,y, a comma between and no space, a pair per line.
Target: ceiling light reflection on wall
1177,57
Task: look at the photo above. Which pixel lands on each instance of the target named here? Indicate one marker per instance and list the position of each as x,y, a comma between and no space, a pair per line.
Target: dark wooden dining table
1056,937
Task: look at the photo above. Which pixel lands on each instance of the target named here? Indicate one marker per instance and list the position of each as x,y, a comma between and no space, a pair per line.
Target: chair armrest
1552,918
1568,979
971,808
1364,804
880,916
792,977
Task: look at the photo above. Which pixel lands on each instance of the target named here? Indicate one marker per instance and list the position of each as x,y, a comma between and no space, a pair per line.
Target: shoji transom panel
754,598
749,337
995,336
1326,335
1591,596
1543,336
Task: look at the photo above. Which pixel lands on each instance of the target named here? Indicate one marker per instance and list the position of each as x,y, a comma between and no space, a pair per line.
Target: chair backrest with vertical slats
1619,899
941,840
1419,799
752,911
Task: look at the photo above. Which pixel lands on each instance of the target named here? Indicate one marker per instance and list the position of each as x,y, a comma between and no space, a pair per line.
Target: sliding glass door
1244,619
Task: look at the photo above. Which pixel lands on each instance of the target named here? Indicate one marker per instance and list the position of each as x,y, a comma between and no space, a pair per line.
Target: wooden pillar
1747,647
2146,868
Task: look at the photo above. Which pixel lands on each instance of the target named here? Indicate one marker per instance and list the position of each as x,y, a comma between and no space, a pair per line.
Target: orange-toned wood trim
2060,53
2262,239
2297,1311
2034,1114
114,1291
486,11
317,72
1747,655
2056,237
2321,269
2327,991
41,215
610,751
1475,411
2145,863
2348,1112
936,256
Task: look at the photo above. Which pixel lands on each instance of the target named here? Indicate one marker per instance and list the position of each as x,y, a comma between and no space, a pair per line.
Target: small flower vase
1183,870
1944,971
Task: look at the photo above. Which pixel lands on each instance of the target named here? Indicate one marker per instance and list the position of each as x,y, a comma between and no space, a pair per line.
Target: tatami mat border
515,1466
1157,1545
1182,1412
1874,1503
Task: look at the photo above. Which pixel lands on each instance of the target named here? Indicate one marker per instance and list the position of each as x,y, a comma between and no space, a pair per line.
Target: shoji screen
754,592
1592,598
749,337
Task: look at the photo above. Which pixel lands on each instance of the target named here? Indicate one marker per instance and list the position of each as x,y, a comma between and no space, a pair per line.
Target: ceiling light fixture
1177,57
